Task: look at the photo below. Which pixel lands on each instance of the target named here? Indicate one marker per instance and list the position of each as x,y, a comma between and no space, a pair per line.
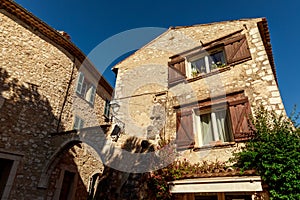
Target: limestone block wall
37,92
138,76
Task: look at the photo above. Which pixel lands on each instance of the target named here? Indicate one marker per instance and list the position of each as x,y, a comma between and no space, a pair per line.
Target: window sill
215,71
214,145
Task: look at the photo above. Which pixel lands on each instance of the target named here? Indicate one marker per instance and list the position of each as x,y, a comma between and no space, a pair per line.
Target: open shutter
80,82
184,129
90,95
237,49
241,123
176,70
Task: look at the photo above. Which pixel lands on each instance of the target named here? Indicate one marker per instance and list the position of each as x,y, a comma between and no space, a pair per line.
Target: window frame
212,110
80,83
80,123
85,89
106,112
204,55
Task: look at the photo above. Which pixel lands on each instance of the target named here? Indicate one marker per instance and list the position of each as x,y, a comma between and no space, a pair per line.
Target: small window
90,95
213,126
85,89
80,89
107,108
207,63
78,123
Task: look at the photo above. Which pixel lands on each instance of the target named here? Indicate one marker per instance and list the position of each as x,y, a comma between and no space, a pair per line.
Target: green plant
275,153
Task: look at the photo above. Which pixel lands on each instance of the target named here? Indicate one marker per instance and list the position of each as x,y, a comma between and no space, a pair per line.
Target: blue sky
91,22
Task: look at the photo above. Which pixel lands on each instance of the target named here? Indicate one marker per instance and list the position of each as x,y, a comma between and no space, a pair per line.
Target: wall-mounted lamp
115,106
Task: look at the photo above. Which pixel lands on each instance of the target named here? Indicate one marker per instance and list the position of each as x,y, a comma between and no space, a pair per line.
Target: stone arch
56,156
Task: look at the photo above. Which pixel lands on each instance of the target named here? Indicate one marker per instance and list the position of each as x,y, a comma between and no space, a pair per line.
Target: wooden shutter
241,124
91,94
237,50
176,70
184,129
80,82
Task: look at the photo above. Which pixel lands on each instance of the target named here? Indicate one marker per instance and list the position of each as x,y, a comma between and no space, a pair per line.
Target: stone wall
37,98
142,79
80,160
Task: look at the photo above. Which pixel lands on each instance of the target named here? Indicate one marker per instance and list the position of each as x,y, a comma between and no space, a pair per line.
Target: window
78,123
213,126
214,122
80,89
203,61
90,95
107,108
207,63
85,89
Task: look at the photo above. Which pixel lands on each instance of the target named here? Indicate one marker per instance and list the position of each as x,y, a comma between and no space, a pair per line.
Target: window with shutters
213,126
209,59
107,108
78,123
203,64
85,89
214,122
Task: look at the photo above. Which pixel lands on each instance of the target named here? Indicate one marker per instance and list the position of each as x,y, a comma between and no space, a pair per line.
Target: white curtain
206,128
222,125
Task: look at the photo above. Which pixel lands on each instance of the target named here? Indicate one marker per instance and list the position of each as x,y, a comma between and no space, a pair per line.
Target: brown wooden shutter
184,129
240,118
237,49
176,70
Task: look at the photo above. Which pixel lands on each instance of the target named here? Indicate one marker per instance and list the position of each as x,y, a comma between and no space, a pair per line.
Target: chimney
65,35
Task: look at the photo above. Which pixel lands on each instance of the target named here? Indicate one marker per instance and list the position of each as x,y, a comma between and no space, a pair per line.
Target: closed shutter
184,129
80,82
237,50
78,123
176,70
107,108
240,119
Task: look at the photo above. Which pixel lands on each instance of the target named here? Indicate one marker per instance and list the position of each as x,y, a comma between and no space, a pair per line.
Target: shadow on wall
24,109
26,120
115,185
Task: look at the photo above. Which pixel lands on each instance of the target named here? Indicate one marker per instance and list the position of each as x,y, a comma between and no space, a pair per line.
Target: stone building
195,87
53,103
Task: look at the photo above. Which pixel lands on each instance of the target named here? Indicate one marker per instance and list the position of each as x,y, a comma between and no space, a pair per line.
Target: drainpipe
66,96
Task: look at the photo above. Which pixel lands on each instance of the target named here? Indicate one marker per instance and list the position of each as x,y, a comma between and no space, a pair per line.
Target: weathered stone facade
39,70
143,77
143,83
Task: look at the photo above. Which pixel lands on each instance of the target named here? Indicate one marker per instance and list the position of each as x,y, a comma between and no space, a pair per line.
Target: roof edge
28,18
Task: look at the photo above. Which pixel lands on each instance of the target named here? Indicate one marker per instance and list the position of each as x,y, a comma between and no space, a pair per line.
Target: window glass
223,125
208,63
215,126
216,60
198,66
206,128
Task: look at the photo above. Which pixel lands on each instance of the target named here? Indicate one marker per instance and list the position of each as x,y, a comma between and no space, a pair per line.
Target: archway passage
67,174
